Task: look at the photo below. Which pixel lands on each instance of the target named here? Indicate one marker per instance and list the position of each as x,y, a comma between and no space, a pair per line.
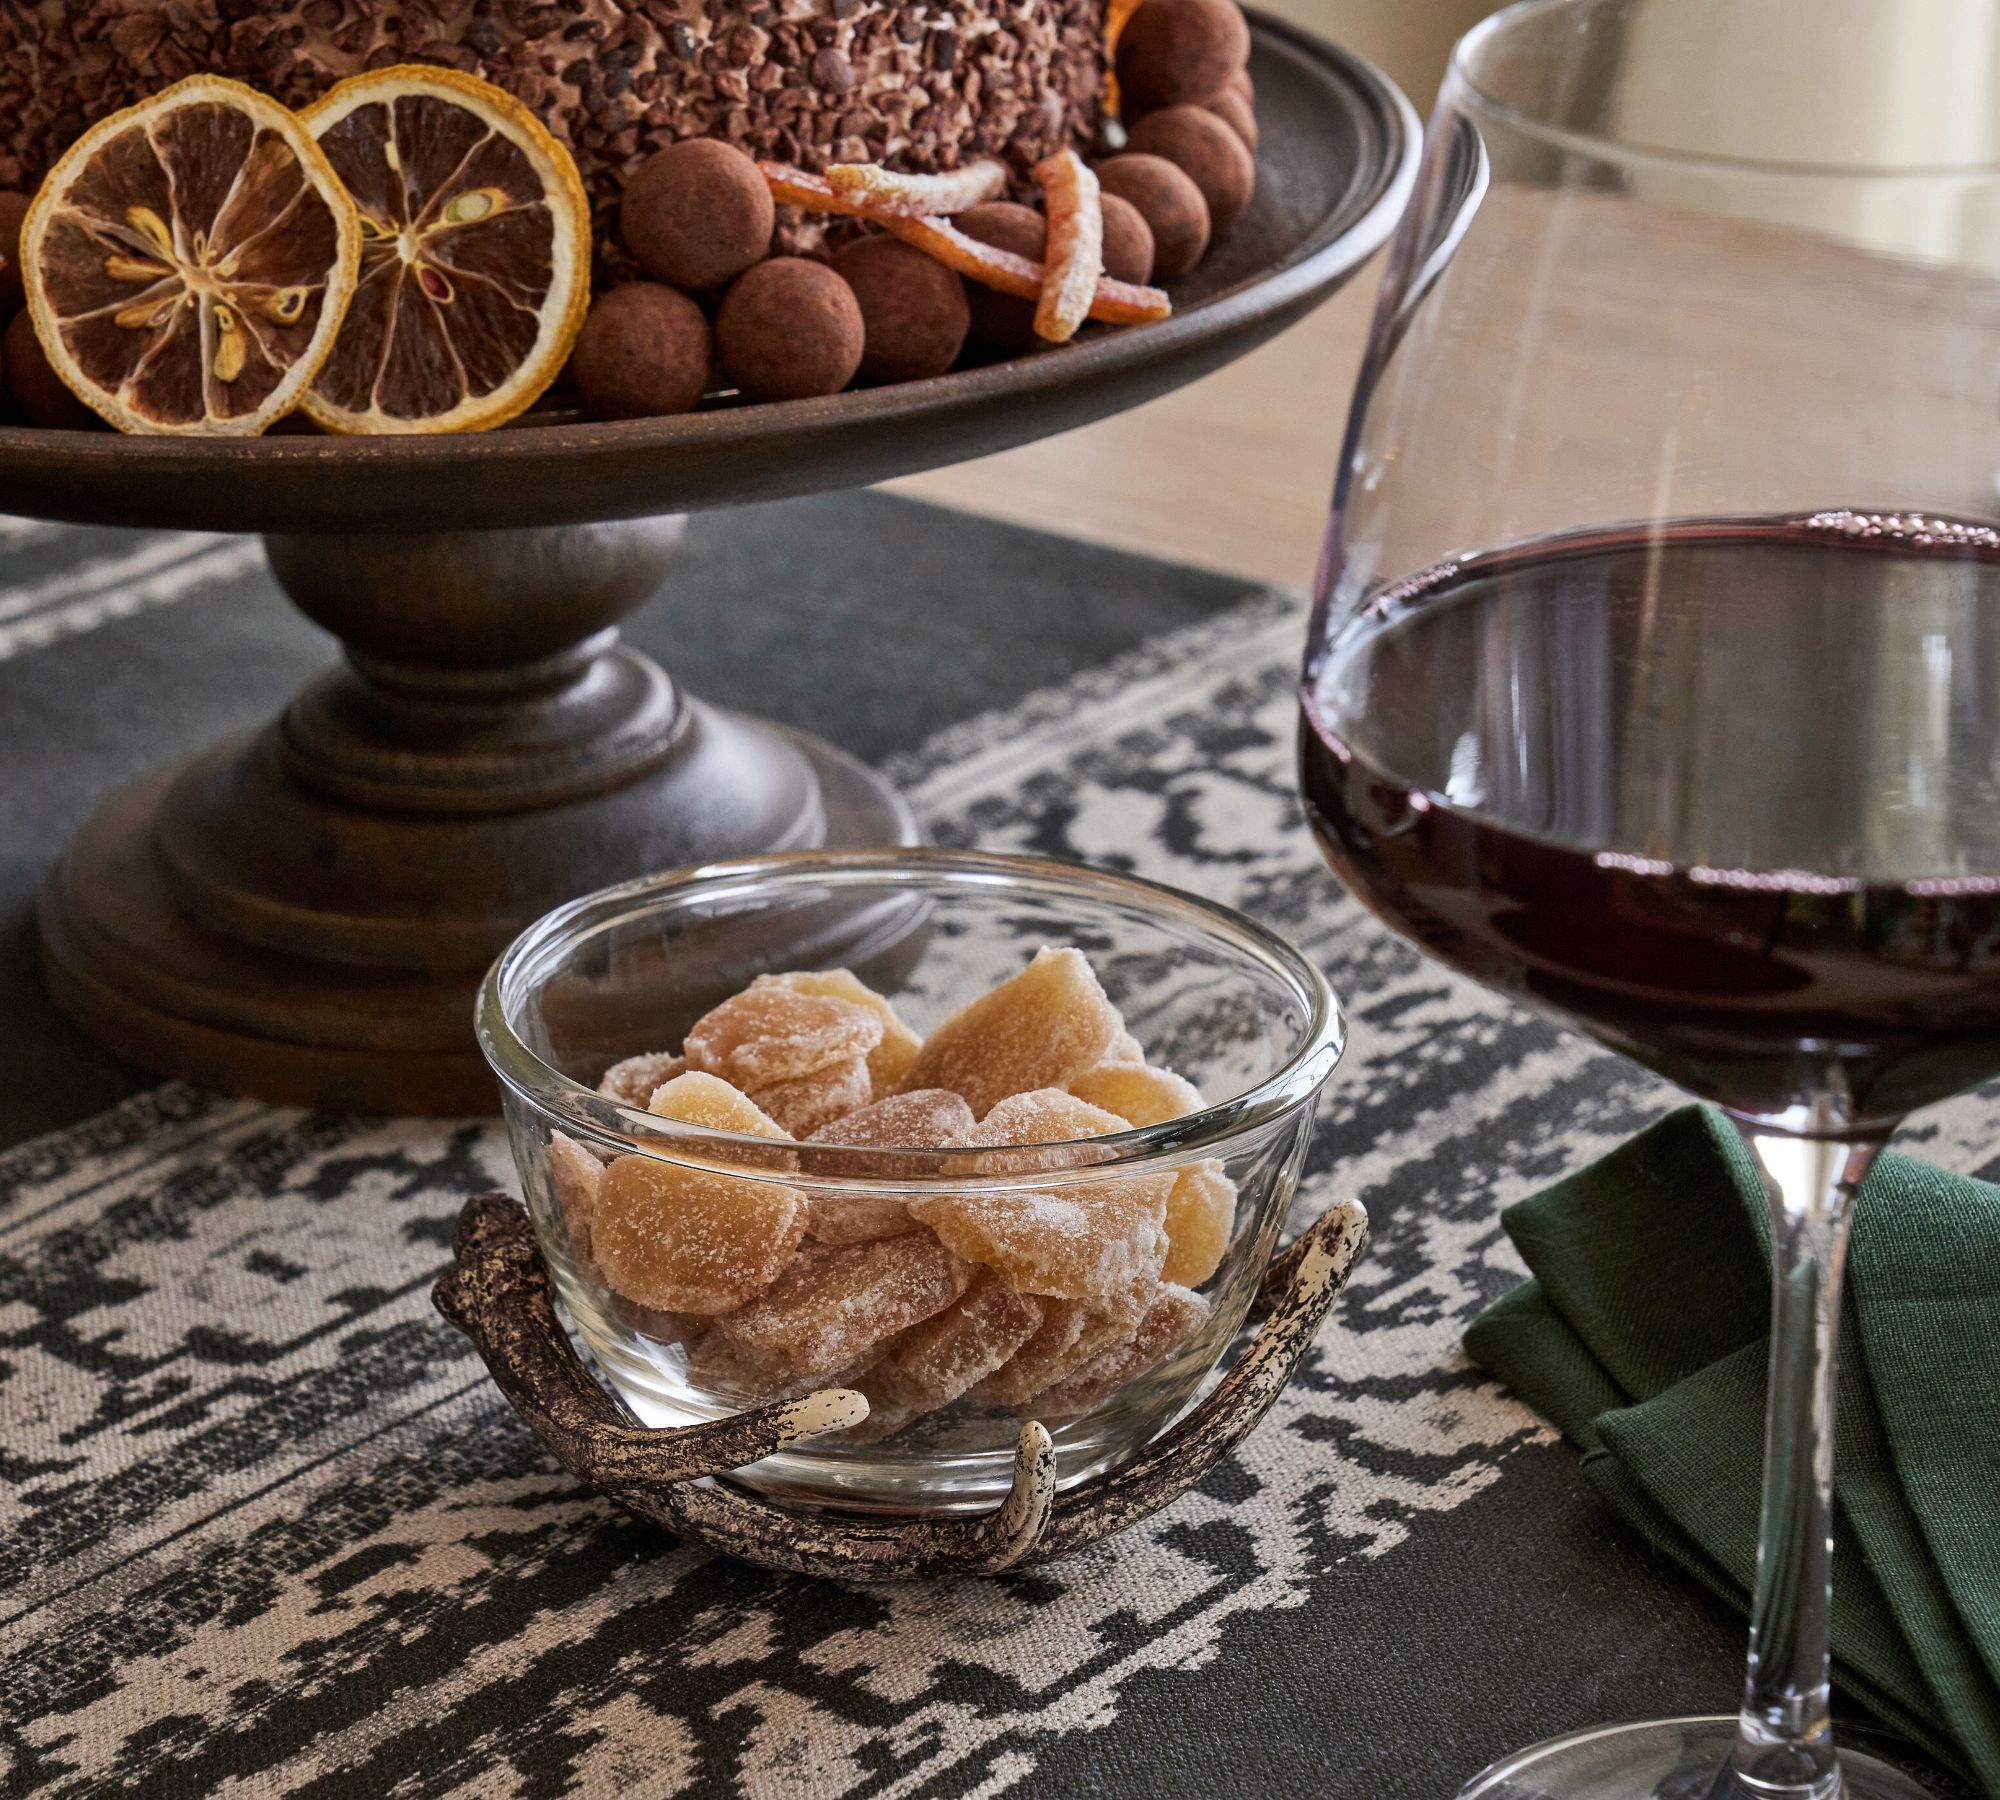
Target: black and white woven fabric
265,1528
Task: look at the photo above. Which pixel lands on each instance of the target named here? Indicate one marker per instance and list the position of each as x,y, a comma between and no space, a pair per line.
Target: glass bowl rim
1462,78
1296,1082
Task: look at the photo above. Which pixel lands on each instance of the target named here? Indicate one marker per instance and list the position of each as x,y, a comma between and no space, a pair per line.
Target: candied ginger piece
835,1301
807,1102
656,1322
1125,1048
1045,1116
1037,1029
705,1100
1095,1243
692,1240
1174,1317
723,1369
933,1363
925,1119
890,1060
1201,1209
1138,1093
928,1120
631,1082
1085,1241
575,1175
772,1033
1071,1333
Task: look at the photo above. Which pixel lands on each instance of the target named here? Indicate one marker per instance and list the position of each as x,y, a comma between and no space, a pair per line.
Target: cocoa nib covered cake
918,84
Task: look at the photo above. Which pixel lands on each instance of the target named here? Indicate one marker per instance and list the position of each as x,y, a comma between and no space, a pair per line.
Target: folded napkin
1642,1337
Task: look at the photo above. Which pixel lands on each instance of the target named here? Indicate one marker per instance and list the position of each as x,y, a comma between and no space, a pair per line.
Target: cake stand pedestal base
304,915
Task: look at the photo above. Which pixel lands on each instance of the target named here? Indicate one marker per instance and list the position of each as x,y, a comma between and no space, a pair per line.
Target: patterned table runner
264,1527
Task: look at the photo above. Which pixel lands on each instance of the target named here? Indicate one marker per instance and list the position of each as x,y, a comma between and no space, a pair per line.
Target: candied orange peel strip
920,196
1115,303
1076,245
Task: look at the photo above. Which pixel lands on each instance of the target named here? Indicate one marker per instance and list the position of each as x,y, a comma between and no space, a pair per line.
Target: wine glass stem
1784,1748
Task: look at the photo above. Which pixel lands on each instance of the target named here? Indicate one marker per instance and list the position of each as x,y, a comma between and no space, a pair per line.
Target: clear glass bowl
1209,993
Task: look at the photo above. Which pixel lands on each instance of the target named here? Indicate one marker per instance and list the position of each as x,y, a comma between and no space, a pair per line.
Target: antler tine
1317,1265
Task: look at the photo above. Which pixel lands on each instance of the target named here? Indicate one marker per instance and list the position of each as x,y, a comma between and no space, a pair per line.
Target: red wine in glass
1724,792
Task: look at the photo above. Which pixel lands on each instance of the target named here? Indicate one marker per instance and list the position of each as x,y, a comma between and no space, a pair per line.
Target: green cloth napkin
1642,1338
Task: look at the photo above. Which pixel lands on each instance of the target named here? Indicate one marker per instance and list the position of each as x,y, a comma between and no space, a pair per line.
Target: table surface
1231,473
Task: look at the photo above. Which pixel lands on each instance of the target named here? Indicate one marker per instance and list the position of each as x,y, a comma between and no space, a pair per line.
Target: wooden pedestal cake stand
303,915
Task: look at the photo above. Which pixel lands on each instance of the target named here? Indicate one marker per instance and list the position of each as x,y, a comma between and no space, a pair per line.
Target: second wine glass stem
1785,1743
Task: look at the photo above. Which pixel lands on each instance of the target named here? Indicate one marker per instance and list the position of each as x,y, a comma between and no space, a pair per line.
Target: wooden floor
1232,473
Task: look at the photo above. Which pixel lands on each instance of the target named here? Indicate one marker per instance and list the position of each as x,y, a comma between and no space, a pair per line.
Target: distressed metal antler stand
498,1294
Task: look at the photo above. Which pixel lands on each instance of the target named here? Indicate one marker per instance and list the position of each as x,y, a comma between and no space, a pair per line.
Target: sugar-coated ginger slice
1201,1211
720,1367
836,1301
712,1104
890,1060
930,1119
1092,1241
1071,1333
692,1240
657,1323
1039,1028
807,1102
952,191
774,1032
575,1175
933,1363
1138,1093
631,1082
1075,253
1174,1316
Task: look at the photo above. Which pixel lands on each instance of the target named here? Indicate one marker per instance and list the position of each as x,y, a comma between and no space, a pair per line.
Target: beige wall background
1233,472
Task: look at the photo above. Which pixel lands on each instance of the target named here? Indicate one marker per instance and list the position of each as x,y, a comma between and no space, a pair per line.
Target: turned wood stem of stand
304,914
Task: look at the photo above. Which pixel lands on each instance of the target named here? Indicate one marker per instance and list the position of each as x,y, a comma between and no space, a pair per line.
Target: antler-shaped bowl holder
497,1292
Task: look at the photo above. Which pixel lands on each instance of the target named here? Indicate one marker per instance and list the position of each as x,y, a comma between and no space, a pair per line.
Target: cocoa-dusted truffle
1212,156
1004,320
1236,110
13,209
913,309
37,389
644,351
790,329
1128,241
1180,50
1169,202
697,214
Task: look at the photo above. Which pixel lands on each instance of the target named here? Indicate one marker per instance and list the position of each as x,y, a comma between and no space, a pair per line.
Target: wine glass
1655,673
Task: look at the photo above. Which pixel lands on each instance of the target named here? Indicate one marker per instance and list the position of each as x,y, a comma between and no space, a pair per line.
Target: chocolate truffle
644,351
697,214
790,329
1212,156
37,389
1169,202
1180,50
1004,321
913,309
1239,113
1128,241
13,209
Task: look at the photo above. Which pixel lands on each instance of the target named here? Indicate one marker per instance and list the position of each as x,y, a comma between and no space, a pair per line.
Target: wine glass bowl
1652,676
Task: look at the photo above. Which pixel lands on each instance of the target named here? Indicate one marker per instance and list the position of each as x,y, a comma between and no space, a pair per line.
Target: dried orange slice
475,253
188,261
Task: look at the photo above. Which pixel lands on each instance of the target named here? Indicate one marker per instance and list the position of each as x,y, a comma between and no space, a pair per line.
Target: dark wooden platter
304,914
1337,162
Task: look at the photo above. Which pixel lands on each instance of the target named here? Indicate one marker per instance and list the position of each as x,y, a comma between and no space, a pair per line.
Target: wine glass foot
1663,1759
